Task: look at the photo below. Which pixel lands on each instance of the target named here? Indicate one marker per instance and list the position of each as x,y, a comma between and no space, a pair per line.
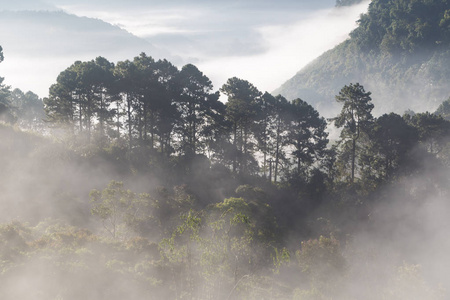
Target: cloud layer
264,42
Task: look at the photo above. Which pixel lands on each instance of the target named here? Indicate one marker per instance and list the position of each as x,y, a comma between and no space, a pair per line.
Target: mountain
399,51
40,44
58,33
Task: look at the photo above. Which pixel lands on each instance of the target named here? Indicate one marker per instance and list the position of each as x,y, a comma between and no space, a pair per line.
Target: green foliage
398,51
444,110
206,250
28,109
391,140
119,209
241,112
238,179
80,94
398,26
271,131
5,105
356,121
433,130
198,108
280,258
63,262
307,135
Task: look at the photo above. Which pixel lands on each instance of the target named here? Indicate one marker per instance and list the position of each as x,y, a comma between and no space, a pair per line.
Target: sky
264,42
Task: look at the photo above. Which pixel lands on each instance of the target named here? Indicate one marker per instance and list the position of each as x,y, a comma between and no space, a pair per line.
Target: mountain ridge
402,62
34,40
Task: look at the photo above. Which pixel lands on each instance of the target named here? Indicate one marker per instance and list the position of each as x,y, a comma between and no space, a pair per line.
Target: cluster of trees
177,122
158,245
26,109
152,107
398,51
402,26
384,149
255,170
150,111
4,92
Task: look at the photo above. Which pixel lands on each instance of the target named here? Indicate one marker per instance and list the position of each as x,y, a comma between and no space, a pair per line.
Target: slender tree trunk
118,118
129,120
264,164
270,170
152,131
353,159
277,147
244,151
145,121
277,151
89,117
235,147
194,133
80,112
140,125
265,148
101,116
89,128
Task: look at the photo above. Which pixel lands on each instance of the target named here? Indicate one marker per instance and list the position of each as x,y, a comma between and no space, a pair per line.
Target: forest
399,50
139,180
160,190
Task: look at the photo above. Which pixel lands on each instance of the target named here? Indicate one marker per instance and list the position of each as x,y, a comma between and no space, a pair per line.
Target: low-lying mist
144,239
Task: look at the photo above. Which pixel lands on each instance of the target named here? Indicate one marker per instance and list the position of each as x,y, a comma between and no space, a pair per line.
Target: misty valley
137,179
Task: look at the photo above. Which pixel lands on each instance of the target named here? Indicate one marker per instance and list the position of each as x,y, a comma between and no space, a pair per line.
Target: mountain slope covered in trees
400,51
138,183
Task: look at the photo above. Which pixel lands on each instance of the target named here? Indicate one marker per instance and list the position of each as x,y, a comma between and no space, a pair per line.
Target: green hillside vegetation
133,181
400,51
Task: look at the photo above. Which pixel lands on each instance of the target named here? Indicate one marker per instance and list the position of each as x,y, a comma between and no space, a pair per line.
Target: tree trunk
235,147
101,116
129,120
353,159
118,119
80,115
277,151
89,116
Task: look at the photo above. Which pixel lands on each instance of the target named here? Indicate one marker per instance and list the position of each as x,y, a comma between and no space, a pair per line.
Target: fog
394,246
93,221
402,249
263,43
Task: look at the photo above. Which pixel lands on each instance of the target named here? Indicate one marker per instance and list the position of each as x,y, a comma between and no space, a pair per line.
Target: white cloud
289,48
143,22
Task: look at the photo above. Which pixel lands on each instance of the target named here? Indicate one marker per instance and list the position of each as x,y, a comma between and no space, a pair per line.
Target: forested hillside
400,51
133,181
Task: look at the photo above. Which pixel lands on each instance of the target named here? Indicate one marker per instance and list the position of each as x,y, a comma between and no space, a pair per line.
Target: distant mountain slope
53,33
400,52
43,43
